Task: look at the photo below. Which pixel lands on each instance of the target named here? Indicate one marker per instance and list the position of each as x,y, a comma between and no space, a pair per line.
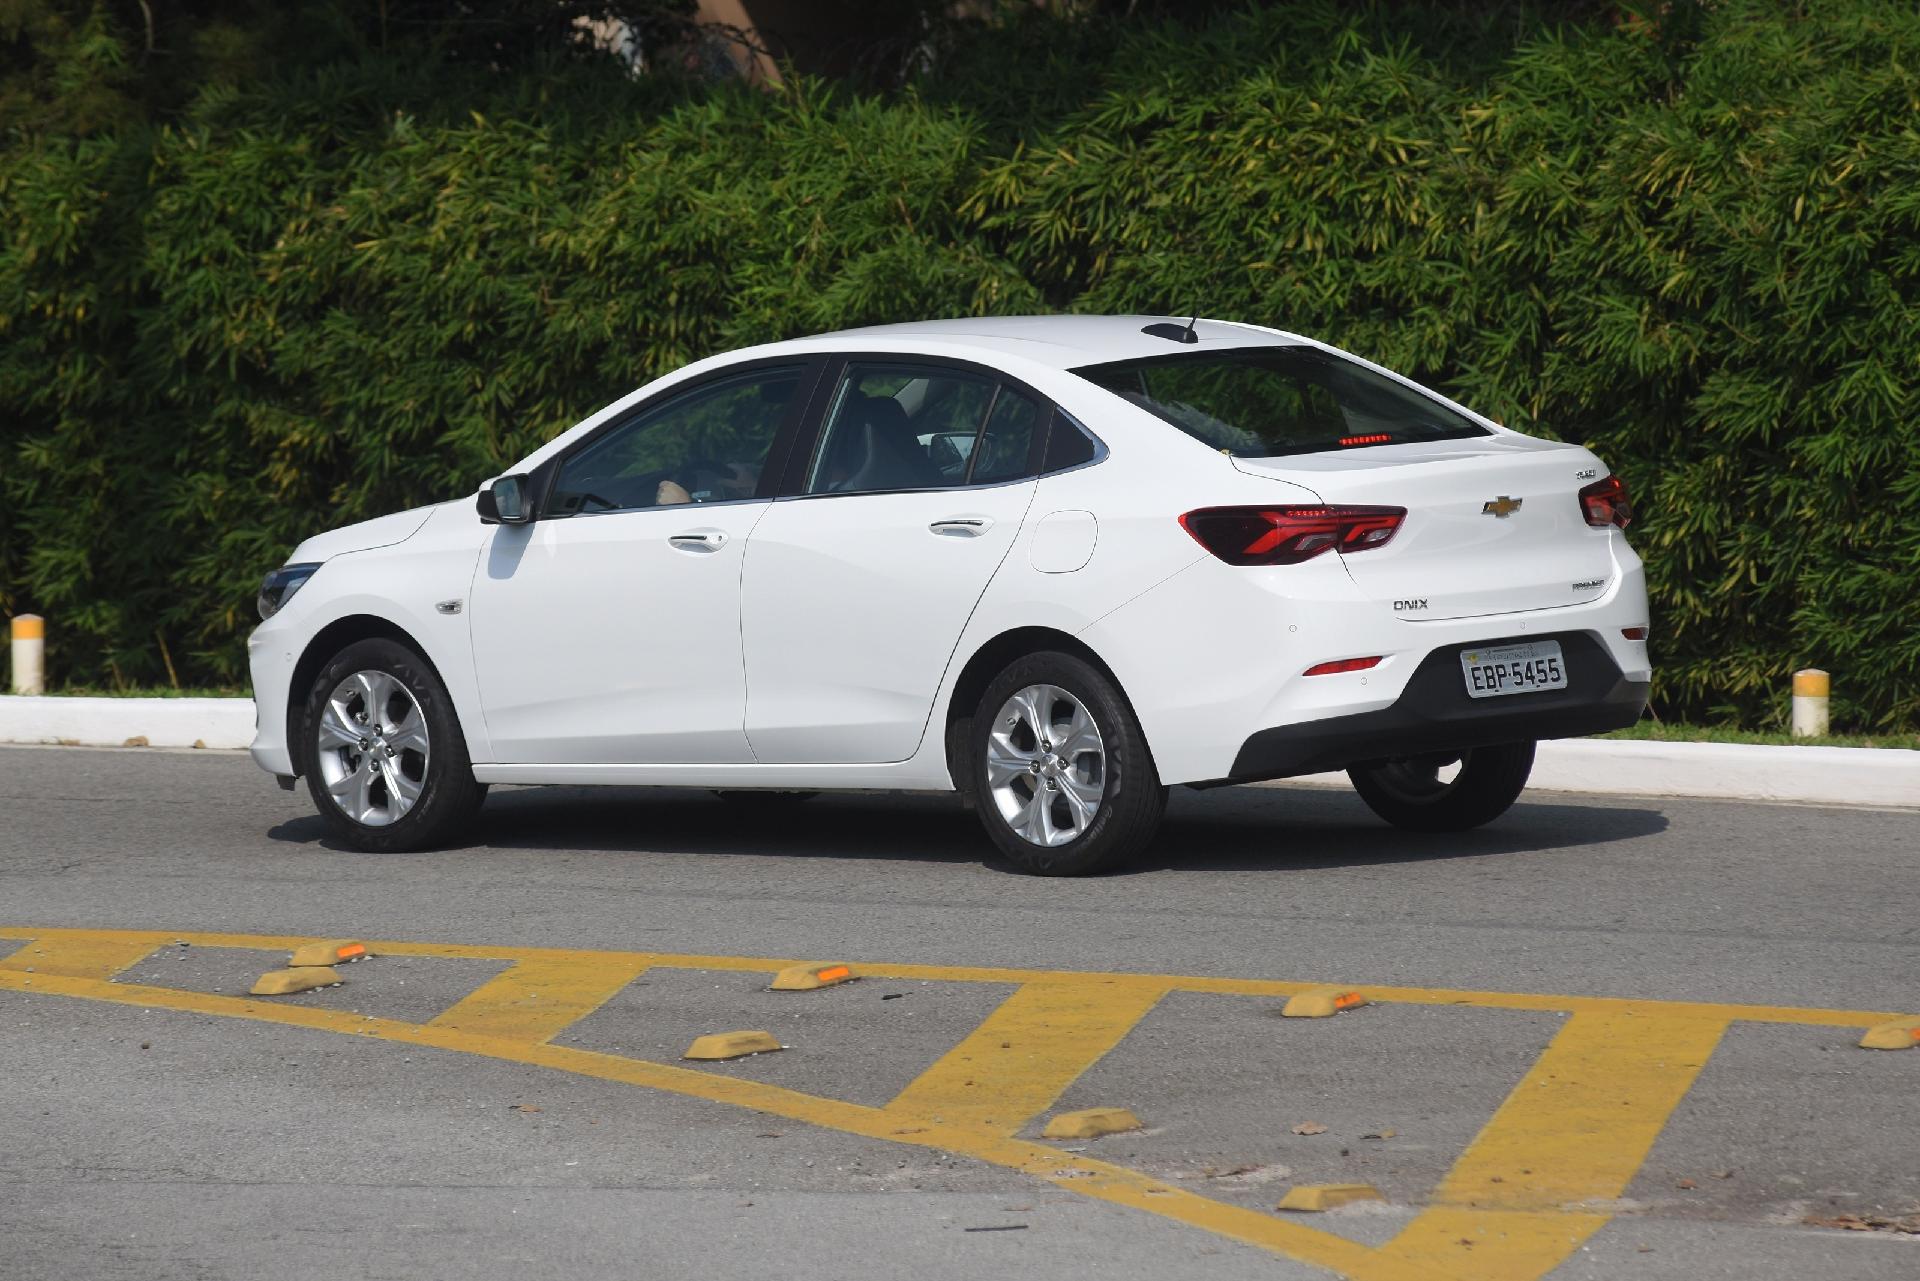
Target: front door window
708,445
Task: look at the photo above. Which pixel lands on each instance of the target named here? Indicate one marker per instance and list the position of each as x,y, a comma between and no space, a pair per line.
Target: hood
381,531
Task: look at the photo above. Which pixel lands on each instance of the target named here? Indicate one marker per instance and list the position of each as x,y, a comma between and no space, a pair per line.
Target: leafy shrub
1688,241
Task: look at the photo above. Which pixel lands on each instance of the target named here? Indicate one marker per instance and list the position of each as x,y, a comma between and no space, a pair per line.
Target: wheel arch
329,641
986,662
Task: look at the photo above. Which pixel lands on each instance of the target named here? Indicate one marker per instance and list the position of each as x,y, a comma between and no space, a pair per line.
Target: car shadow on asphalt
1226,829
1307,827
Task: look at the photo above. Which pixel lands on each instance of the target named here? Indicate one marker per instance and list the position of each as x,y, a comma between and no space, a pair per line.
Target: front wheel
1062,777
385,761
1448,792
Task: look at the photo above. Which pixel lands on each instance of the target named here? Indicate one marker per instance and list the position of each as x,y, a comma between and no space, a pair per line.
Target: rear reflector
1289,535
1605,502
1634,633
1342,665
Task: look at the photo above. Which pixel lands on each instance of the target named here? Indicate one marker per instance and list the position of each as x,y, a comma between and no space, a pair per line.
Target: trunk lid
1456,556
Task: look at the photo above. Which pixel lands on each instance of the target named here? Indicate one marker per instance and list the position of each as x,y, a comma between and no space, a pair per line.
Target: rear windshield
1259,402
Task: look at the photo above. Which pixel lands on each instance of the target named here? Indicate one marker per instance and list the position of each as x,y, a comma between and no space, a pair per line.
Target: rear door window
892,427
1260,402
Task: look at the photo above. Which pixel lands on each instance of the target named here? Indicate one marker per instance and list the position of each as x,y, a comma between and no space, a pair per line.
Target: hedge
313,299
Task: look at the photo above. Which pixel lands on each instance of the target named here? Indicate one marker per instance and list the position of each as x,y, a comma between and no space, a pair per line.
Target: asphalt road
1617,1118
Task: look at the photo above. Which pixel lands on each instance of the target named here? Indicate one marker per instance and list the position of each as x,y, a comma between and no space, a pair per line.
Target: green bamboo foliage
1694,247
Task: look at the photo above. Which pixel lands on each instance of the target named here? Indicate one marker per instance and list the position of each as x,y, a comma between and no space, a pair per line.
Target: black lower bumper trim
1435,714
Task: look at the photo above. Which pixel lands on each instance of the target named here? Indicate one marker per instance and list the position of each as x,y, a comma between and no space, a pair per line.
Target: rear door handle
699,540
961,526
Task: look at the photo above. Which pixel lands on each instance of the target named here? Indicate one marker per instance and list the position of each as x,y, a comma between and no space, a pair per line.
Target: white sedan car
1054,563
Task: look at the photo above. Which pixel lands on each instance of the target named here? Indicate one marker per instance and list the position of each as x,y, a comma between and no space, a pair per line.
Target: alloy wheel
373,748
1046,765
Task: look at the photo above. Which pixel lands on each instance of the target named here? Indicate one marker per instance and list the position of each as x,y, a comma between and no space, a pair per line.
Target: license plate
1513,669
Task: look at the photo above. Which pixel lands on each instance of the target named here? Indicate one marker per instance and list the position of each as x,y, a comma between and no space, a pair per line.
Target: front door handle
699,540
961,526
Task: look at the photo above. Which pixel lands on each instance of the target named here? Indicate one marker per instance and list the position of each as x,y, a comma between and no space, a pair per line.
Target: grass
1654,731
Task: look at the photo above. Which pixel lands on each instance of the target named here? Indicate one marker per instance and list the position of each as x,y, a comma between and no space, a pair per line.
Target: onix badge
1501,506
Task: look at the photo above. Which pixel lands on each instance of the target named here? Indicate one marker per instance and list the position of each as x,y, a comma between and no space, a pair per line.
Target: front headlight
278,587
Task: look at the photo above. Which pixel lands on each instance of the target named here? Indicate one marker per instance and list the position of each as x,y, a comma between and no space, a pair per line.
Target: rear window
1259,402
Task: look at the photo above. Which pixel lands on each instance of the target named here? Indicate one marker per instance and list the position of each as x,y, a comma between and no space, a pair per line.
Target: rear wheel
1448,792
386,763
1062,778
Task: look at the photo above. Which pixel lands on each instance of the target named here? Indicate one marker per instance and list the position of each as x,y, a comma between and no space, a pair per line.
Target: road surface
1607,1039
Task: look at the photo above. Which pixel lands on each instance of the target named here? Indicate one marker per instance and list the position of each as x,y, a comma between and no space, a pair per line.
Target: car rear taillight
1343,665
1605,502
1289,535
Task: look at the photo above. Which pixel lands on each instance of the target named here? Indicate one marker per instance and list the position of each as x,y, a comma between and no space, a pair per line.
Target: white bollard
1810,695
29,654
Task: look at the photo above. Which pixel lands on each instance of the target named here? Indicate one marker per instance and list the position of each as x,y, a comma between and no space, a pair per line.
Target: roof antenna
1172,330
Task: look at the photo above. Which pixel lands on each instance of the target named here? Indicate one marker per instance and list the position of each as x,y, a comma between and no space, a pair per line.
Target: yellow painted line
1583,1118
1488,1245
1026,1053
1378,993
1076,1173
84,955
1515,1205
1572,1134
538,998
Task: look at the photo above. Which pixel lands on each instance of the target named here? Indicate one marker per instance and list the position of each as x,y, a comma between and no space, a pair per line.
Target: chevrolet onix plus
1053,563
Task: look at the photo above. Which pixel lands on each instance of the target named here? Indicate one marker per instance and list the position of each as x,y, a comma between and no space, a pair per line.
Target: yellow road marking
84,955
1584,1117
1574,1131
1027,1052
1379,994
538,998
1074,1172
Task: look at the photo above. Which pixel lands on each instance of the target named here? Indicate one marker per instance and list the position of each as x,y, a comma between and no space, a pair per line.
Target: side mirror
504,502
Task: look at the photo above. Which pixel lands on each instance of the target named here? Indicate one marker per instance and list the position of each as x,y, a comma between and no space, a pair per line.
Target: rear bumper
1435,714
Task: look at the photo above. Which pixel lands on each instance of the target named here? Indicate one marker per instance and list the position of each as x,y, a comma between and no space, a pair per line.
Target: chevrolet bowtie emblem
1501,506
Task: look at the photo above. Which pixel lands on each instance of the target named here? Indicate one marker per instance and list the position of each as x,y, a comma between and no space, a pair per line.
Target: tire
1108,794
373,811
1408,793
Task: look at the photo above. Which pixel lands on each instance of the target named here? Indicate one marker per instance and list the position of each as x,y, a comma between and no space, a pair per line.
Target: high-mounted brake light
1605,502
1342,665
1373,438
1289,535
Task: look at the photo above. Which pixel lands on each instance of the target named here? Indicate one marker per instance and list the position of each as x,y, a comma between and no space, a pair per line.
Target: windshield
1258,402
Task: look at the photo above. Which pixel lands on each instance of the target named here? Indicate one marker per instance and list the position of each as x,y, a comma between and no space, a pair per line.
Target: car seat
874,447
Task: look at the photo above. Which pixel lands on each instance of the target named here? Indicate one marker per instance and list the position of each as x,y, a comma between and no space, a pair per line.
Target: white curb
1606,767
1746,771
111,722
1886,776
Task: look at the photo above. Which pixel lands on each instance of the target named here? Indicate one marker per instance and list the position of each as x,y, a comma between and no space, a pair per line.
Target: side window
899,426
706,445
1007,441
1068,444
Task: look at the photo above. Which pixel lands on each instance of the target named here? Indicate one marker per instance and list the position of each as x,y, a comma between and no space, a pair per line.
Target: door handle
961,526
699,540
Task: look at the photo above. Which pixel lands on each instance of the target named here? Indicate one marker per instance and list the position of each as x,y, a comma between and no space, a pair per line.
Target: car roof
1061,342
